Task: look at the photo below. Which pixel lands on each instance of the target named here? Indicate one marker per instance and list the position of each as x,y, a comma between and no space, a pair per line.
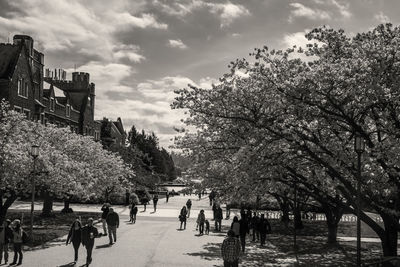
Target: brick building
46,98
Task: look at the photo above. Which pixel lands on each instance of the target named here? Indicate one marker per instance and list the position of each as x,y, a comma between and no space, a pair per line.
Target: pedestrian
145,201
254,224
89,233
189,206
218,218
182,217
214,209
230,250
166,196
201,219
207,227
228,211
105,209
75,237
243,230
6,236
155,200
211,197
113,224
19,237
199,195
242,213
133,213
235,226
264,228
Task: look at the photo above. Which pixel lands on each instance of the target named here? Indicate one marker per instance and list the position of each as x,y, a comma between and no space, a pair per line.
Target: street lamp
34,154
359,147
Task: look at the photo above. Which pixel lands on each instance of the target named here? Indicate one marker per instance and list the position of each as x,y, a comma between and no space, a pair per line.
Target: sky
138,52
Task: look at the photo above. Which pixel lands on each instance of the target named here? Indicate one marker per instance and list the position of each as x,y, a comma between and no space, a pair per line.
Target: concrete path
155,240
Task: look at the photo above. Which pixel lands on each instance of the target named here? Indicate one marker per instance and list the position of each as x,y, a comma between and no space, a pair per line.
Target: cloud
228,12
382,18
177,43
298,39
236,35
145,21
300,10
129,52
343,8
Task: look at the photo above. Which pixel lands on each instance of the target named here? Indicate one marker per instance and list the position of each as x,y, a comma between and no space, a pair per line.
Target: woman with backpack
75,237
133,213
19,237
182,217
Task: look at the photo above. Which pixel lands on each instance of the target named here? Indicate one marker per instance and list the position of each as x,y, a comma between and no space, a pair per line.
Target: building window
18,109
27,113
68,110
52,104
22,88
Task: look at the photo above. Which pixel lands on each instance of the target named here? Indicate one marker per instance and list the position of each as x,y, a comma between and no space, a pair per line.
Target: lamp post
34,154
359,147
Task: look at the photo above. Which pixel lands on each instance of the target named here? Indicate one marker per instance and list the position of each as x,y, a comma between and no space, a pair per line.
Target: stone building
112,134
46,98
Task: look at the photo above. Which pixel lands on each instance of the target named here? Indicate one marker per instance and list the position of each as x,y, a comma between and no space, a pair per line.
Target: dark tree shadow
71,264
103,246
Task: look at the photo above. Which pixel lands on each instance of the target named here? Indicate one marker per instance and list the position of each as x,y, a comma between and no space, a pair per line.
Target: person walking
254,224
264,228
182,217
105,209
201,219
18,238
218,218
243,230
132,213
230,250
5,236
211,197
155,200
214,208
189,206
228,211
166,196
113,224
235,226
75,237
89,233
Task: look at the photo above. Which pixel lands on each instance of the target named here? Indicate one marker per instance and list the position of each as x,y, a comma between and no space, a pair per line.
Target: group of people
12,232
249,223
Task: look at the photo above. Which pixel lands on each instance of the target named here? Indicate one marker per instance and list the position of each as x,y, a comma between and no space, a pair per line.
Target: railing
384,262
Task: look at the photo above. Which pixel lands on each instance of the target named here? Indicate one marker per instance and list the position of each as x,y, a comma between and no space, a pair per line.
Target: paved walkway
154,240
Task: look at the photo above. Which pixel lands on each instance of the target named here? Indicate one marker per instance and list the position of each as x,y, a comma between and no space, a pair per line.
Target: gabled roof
119,126
9,55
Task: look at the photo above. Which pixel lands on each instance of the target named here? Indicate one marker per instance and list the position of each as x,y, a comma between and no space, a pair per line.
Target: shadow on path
71,264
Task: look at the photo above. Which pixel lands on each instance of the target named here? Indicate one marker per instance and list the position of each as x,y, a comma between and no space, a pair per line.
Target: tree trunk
332,233
389,237
298,223
6,205
66,208
47,205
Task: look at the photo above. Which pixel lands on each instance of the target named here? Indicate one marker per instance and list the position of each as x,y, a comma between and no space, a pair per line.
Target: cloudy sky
139,51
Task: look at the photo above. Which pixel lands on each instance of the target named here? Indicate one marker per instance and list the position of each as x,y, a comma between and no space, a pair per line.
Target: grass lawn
47,229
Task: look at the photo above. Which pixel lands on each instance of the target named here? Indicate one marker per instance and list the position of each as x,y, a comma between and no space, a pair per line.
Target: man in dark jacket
218,218
264,228
113,224
5,236
89,233
105,210
188,206
155,200
244,228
